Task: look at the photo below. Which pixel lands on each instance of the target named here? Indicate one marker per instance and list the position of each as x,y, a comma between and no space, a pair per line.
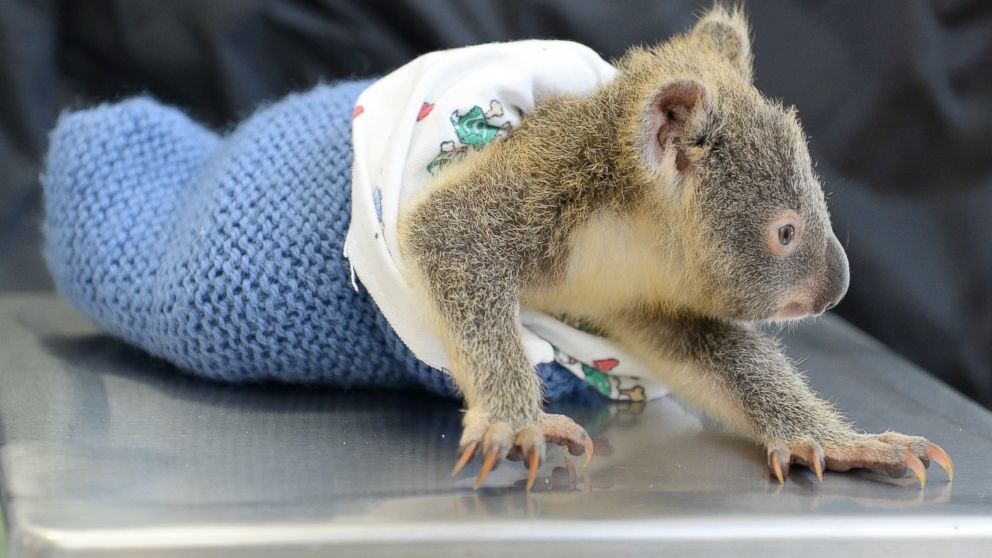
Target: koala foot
891,453
499,440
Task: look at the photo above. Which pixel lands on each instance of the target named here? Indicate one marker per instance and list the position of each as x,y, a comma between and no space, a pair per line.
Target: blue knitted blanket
223,253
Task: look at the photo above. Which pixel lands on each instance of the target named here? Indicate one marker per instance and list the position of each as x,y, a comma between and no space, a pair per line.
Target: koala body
698,196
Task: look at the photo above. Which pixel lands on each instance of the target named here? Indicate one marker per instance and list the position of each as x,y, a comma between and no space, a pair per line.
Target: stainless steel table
108,452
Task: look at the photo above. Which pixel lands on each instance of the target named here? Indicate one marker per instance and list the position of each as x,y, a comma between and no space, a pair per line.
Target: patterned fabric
430,113
223,254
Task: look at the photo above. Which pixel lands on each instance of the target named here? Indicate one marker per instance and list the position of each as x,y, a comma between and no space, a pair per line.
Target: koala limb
740,376
761,393
471,268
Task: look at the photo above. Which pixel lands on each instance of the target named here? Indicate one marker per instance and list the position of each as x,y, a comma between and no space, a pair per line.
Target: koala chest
613,263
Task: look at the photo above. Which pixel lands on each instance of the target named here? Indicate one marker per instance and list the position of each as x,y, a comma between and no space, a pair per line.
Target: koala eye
783,233
786,234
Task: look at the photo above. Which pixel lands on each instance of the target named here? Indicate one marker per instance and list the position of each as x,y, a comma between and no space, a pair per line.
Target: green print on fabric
597,374
474,129
597,379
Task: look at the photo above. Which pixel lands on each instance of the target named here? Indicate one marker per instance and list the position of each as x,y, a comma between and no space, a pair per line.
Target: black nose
838,275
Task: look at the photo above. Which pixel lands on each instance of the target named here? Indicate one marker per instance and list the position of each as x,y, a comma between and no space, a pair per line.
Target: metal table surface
108,452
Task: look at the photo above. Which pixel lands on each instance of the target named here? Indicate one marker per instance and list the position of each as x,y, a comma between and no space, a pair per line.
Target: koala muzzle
836,279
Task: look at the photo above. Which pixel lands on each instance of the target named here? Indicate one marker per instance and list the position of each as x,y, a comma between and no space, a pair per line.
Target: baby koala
697,196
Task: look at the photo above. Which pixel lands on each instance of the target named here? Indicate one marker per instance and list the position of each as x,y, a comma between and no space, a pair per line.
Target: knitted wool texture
223,254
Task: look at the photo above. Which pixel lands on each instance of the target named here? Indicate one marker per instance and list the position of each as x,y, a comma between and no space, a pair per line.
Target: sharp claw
491,458
917,467
937,453
590,449
464,458
777,468
533,462
815,463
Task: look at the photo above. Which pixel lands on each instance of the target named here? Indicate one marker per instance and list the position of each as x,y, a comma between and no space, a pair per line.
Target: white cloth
430,113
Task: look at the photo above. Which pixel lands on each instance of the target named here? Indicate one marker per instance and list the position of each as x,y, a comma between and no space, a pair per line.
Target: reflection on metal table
105,451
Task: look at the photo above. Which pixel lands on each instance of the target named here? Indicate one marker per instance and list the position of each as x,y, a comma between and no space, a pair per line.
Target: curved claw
533,463
589,450
778,461
938,455
915,465
816,461
465,458
818,469
491,458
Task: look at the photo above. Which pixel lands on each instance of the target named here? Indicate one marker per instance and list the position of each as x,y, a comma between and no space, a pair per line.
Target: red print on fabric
425,109
606,364
359,109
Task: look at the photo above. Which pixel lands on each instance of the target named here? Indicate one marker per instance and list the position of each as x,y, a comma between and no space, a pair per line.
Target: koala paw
890,452
499,440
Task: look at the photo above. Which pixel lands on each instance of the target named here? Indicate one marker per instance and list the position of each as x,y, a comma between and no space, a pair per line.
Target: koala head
733,169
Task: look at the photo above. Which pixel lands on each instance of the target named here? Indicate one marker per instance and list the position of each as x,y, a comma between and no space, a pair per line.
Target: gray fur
501,231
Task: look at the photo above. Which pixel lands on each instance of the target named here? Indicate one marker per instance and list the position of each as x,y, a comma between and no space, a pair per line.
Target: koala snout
836,278
823,291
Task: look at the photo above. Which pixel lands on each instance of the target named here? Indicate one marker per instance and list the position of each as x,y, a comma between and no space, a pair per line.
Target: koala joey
699,195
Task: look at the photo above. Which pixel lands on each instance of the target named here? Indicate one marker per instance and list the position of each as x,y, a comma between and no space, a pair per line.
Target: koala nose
822,307
838,276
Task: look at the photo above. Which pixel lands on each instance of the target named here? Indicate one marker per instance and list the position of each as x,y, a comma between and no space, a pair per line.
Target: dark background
895,95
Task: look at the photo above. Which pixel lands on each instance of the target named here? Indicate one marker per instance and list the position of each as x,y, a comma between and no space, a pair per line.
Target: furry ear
676,113
725,32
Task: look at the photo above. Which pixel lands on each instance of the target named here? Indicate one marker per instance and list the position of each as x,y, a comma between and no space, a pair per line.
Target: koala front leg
741,376
501,388
472,281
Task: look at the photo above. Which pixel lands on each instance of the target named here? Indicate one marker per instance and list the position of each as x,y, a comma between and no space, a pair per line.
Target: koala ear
677,112
725,32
